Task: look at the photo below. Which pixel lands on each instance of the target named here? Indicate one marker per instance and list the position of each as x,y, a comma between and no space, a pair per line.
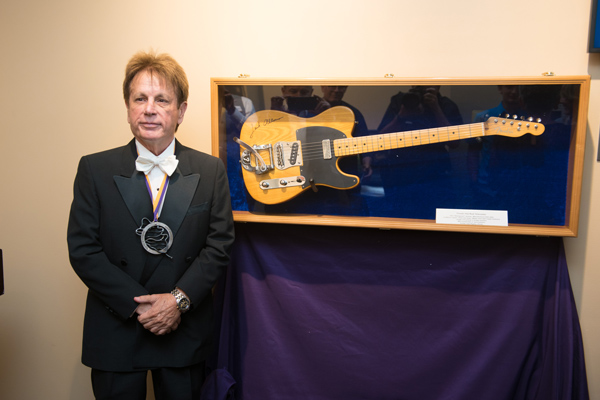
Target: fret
396,140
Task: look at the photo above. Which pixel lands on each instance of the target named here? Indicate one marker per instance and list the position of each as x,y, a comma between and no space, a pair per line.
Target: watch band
183,303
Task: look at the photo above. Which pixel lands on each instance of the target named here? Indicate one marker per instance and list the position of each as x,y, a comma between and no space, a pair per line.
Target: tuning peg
530,119
515,116
539,120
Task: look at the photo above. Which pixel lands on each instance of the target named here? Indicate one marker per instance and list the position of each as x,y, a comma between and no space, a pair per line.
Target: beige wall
61,68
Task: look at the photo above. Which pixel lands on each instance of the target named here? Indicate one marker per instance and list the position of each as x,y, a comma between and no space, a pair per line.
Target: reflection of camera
413,98
302,103
418,90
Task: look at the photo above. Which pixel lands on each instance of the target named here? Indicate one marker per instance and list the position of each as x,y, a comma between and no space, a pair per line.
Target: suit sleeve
200,278
115,288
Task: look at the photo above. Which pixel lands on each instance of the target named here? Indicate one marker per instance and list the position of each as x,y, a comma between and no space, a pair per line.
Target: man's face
152,111
296,91
333,94
509,93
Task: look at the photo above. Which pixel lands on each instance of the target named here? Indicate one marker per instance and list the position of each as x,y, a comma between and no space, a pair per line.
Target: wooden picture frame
533,177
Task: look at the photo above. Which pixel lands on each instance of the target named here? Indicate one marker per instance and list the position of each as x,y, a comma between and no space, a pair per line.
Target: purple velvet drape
349,313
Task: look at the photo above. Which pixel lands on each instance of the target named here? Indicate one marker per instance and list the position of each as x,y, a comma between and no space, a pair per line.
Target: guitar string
314,150
389,141
396,140
419,136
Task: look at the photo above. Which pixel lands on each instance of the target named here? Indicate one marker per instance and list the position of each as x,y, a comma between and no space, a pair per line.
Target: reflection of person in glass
569,96
332,97
528,168
544,159
511,104
410,174
297,100
479,150
425,105
236,108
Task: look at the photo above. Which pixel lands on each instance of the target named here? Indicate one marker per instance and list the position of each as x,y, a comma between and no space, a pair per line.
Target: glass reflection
525,175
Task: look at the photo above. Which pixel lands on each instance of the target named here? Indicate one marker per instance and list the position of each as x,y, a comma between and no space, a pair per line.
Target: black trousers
169,383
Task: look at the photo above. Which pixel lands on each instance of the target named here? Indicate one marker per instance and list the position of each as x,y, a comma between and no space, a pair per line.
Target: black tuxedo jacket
110,200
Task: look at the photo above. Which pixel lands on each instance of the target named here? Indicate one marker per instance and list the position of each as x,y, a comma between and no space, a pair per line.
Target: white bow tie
167,165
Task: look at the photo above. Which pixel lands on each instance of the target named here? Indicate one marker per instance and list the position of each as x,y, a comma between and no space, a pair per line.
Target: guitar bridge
252,152
288,154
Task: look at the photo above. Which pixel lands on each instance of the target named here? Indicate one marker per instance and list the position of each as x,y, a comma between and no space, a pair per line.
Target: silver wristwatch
183,303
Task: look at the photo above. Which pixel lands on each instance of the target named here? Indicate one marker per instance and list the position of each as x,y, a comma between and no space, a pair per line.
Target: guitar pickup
326,149
280,183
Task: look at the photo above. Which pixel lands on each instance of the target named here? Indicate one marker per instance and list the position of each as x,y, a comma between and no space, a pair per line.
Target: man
149,236
297,100
424,102
511,104
332,97
237,109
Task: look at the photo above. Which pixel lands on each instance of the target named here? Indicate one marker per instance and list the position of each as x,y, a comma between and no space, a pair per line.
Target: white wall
62,63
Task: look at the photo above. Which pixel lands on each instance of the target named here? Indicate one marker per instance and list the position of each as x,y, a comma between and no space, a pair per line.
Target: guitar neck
389,141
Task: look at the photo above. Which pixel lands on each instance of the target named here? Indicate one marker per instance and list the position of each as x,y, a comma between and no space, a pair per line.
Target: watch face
184,304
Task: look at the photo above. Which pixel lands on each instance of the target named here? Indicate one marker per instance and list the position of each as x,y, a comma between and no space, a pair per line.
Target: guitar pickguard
319,166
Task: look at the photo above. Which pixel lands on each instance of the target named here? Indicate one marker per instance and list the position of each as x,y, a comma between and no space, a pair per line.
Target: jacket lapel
181,190
132,186
180,193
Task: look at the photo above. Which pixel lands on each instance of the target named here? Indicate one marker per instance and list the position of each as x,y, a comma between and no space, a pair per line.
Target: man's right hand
158,313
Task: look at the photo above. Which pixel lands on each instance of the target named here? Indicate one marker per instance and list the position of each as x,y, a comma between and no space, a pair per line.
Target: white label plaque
471,217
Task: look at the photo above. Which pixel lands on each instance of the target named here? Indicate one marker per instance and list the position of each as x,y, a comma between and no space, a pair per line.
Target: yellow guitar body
268,128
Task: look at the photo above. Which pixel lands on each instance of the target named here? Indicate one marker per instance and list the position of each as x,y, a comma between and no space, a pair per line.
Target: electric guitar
283,155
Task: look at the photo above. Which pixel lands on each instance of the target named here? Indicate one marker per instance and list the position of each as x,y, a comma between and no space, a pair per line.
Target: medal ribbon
158,200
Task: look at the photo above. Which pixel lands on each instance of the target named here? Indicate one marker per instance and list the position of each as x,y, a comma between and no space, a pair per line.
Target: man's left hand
163,316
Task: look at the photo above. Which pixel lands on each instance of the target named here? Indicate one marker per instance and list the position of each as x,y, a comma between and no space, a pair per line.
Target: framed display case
494,155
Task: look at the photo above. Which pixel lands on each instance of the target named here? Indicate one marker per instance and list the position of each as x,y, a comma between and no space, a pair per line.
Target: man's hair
164,66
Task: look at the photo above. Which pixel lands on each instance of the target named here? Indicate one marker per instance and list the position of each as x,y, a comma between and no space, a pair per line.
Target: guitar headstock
513,127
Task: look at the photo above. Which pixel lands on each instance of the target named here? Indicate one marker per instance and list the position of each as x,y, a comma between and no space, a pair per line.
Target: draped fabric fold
349,313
